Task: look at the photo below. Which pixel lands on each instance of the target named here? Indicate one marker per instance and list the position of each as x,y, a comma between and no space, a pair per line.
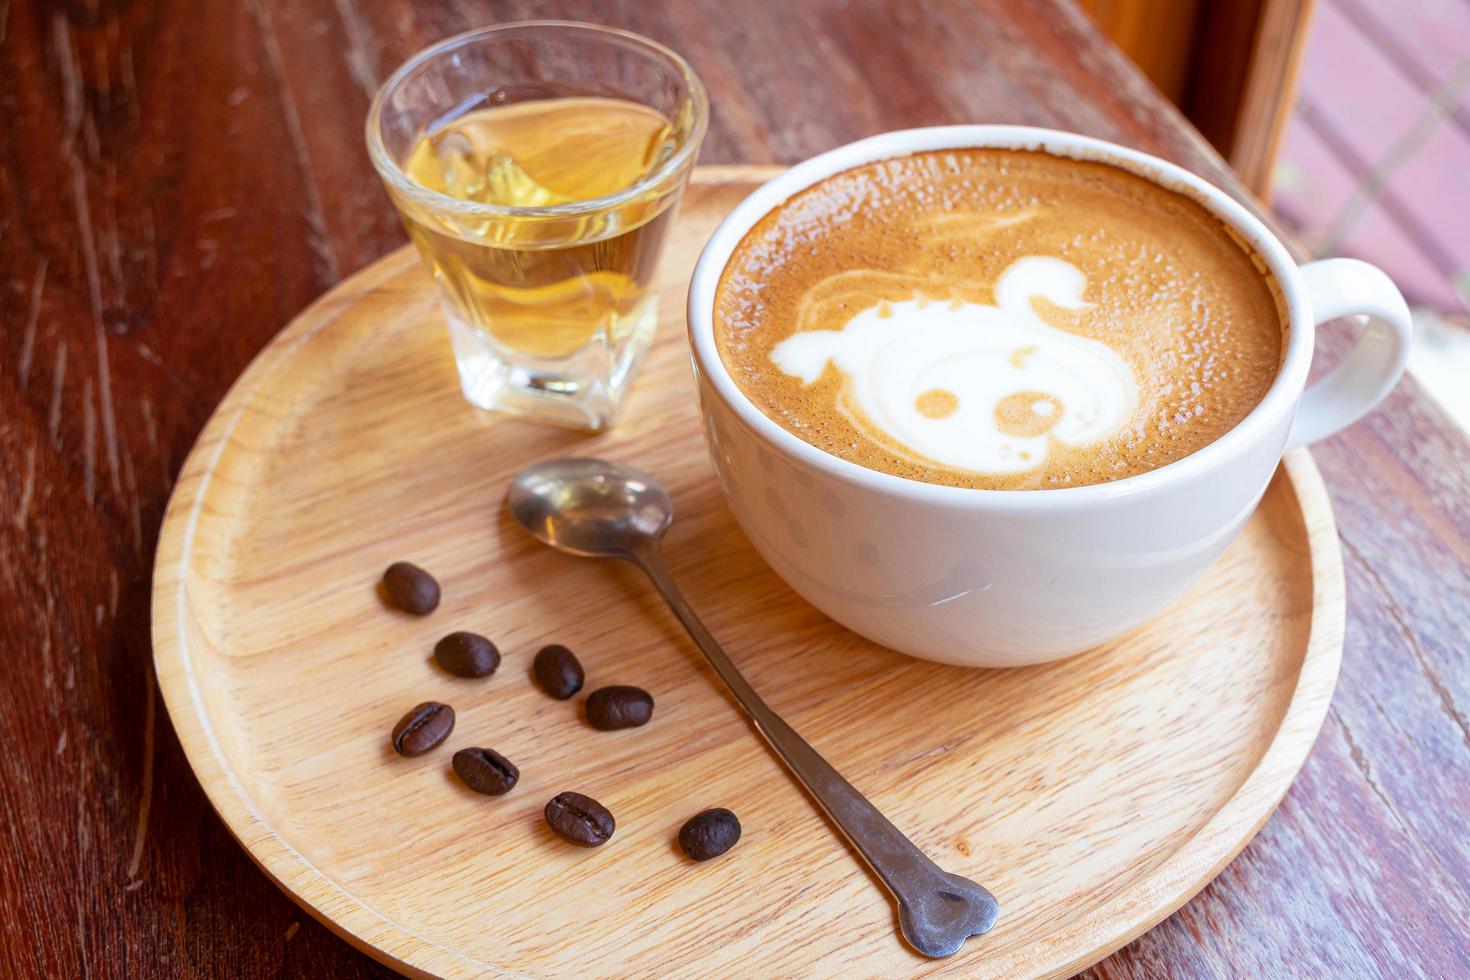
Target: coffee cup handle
1346,287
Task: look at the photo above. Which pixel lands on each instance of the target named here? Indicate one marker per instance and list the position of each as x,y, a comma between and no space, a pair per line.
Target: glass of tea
537,167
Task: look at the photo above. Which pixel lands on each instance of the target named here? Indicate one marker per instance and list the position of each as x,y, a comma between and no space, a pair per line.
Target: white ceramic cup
1006,577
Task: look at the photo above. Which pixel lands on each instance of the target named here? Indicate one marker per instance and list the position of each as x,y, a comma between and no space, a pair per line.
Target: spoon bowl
590,507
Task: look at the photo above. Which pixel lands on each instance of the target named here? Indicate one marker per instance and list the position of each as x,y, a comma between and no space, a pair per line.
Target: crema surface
999,319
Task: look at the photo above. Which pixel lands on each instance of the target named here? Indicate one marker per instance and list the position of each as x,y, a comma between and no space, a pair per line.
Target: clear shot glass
512,156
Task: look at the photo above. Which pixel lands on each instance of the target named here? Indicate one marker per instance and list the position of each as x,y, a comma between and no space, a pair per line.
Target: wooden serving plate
1093,796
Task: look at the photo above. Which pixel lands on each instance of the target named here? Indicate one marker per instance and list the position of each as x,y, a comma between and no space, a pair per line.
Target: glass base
583,391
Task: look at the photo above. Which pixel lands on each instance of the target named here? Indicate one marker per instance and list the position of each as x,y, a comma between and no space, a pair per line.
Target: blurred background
1351,119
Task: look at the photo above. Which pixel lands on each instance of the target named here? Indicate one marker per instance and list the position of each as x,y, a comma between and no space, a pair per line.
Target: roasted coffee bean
467,655
558,672
486,771
424,727
709,834
411,589
579,819
619,706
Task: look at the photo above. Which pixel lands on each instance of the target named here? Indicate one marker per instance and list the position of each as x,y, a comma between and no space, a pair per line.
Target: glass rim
394,175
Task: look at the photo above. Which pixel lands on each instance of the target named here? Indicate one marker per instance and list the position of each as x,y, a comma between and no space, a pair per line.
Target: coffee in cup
1000,319
1185,286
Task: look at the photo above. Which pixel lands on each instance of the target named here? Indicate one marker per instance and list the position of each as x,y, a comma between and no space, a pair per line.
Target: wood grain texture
1269,91
1157,35
180,179
1094,796
1232,67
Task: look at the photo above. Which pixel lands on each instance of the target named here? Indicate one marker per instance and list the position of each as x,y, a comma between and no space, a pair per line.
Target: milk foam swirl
975,387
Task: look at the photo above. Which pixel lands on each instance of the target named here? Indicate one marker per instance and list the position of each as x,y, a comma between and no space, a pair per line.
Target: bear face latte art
999,319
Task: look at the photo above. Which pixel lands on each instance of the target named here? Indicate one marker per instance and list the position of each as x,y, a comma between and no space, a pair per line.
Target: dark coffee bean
558,672
709,834
579,819
486,771
424,727
467,655
619,706
411,589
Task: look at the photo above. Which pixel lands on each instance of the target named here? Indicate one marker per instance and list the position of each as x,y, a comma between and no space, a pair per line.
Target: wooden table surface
179,179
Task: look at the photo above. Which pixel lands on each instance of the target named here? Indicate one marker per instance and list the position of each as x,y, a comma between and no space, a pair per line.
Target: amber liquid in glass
547,286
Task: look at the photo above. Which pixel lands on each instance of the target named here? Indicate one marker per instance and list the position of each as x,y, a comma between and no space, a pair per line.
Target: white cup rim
1280,399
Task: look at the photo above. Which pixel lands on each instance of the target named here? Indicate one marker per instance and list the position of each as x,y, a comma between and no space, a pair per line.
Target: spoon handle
937,910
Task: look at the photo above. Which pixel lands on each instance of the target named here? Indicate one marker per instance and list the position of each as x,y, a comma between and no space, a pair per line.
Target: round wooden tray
1093,796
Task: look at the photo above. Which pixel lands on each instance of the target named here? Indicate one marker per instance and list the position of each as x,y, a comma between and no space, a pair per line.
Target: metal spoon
598,509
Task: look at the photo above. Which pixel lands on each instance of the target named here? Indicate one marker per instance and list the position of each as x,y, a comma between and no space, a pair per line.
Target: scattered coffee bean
411,589
619,706
424,727
579,819
709,834
558,672
486,771
467,655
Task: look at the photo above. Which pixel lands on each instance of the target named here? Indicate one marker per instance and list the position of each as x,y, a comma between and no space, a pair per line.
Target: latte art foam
999,319
981,388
